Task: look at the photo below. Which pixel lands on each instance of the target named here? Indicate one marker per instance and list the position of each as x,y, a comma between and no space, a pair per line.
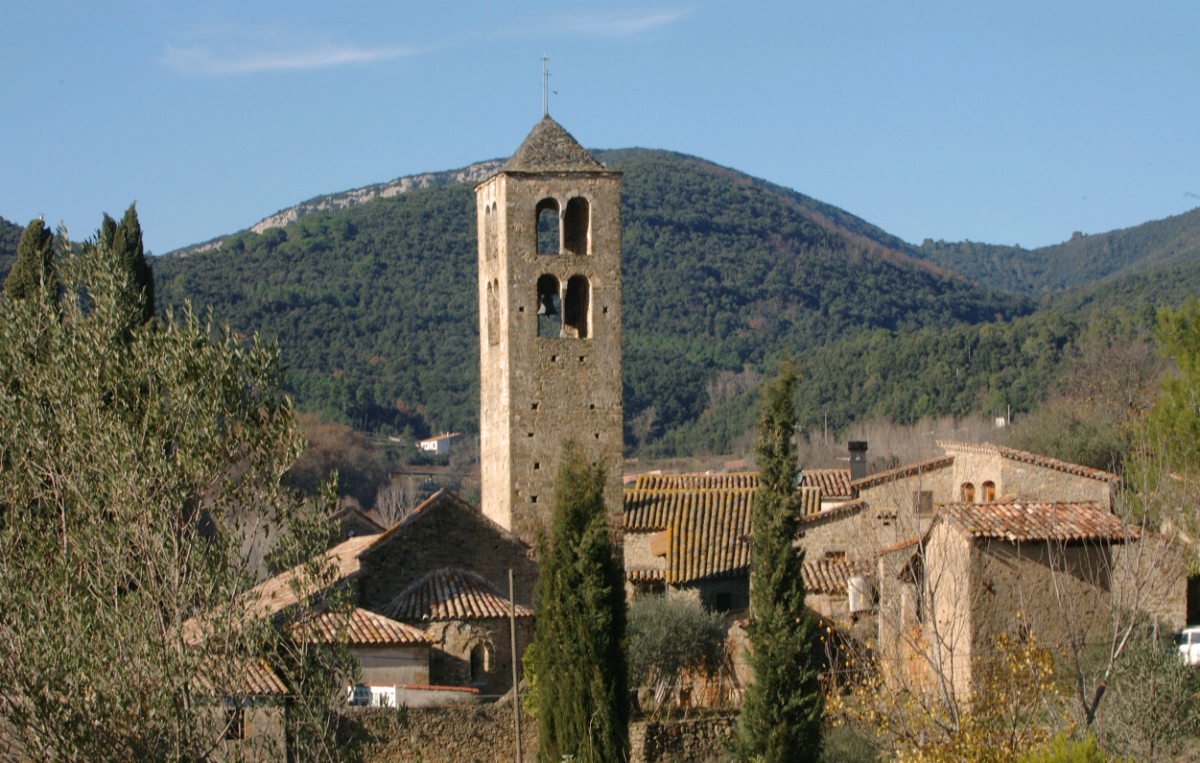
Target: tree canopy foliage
34,267
132,462
577,655
781,718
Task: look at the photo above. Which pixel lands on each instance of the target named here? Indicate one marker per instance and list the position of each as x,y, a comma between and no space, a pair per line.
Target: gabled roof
829,576
443,498
287,588
910,470
550,148
1029,458
350,512
1035,521
358,627
450,594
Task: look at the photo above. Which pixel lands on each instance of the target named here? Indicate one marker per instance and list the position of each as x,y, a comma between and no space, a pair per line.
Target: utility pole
512,631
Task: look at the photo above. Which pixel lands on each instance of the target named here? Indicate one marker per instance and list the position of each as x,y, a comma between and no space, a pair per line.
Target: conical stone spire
550,148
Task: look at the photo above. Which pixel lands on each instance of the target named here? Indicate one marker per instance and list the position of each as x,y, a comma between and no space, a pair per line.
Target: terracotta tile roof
646,576
1029,458
899,546
829,576
359,628
708,528
833,512
729,481
904,471
450,595
1035,521
273,595
260,680
254,679
550,148
834,483
277,593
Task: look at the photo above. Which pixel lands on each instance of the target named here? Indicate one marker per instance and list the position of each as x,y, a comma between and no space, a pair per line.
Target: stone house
467,621
1056,571
689,535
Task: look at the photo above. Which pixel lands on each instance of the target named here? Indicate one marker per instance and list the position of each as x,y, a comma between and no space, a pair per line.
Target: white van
1188,643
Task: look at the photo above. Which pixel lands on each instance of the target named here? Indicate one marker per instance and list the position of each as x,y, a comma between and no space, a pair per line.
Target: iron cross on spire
545,87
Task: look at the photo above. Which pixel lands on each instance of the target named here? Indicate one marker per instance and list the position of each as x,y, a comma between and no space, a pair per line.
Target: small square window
535,405
537,464
521,309
533,499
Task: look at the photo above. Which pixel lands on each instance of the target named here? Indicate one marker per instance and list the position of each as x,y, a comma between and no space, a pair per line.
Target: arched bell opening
576,307
547,227
575,226
549,308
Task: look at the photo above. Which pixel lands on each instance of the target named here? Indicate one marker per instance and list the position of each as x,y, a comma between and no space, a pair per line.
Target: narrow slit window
576,308
490,243
575,226
493,312
549,310
547,227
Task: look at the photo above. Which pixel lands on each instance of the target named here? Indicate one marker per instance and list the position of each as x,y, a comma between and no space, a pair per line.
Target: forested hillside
374,305
10,236
1082,261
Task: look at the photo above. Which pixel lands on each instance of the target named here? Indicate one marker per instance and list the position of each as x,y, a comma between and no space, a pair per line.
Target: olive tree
131,460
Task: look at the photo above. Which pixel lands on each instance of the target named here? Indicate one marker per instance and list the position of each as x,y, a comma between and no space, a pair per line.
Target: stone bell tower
549,226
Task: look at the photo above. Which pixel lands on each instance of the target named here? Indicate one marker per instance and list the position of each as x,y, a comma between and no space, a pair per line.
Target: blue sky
1004,122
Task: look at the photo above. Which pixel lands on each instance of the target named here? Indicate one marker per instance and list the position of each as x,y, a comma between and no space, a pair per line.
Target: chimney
858,460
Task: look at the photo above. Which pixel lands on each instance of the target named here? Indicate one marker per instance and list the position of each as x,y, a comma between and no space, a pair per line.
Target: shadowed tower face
549,325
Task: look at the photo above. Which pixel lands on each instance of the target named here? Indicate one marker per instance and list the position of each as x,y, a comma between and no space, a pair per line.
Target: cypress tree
577,658
35,263
781,714
125,240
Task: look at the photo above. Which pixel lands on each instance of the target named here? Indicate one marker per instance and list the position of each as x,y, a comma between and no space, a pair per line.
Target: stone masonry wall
486,734
700,740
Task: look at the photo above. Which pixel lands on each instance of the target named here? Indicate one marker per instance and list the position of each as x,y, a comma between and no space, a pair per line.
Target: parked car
1188,643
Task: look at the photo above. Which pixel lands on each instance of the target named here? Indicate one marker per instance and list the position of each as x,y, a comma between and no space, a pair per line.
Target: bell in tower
550,325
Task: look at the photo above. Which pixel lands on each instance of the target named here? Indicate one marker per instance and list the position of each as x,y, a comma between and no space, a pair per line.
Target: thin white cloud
619,24
200,60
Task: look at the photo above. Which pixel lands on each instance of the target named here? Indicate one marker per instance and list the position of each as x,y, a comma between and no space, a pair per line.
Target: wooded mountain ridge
371,294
